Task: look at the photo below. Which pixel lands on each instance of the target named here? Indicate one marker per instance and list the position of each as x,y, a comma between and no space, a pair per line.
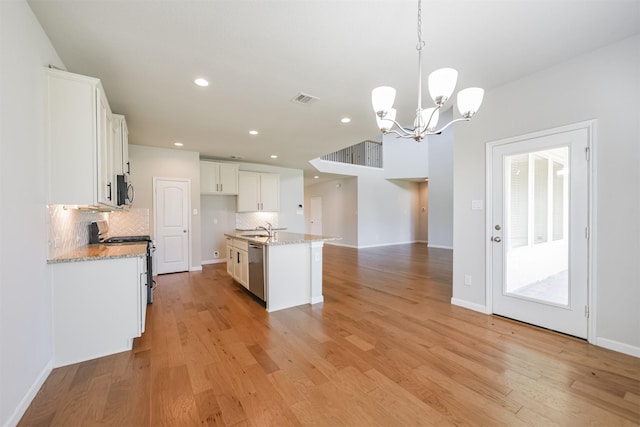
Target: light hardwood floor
385,349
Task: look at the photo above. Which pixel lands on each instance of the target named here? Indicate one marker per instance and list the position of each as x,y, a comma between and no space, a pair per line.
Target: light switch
195,211
476,205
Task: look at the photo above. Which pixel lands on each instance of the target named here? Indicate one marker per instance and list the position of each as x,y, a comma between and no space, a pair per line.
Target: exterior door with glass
540,230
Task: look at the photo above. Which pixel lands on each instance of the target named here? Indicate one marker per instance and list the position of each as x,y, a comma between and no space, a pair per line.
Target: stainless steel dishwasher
256,270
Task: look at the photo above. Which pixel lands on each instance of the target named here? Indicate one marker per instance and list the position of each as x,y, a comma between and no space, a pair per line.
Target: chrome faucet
267,228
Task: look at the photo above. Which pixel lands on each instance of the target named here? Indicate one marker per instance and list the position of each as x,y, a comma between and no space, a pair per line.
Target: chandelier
442,83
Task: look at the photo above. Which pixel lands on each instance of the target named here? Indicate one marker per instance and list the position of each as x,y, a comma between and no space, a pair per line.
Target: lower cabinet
99,307
238,261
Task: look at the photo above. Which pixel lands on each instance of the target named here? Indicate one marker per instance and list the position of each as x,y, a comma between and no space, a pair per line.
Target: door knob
184,231
496,239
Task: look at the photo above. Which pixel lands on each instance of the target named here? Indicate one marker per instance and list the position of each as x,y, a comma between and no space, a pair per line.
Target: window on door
537,217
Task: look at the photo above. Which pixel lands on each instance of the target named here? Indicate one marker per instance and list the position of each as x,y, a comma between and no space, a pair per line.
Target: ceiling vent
304,98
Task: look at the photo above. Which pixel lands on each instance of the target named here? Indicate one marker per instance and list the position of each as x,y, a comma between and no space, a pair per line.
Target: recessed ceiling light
316,177
178,144
201,82
345,120
253,132
274,156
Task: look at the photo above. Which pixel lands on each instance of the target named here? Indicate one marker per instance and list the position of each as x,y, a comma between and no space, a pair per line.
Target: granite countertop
281,238
98,252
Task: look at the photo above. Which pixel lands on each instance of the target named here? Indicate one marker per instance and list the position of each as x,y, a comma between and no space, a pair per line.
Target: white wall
25,293
339,208
387,210
404,158
150,162
441,185
602,85
218,216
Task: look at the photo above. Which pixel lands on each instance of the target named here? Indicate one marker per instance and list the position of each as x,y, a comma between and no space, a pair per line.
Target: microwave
124,191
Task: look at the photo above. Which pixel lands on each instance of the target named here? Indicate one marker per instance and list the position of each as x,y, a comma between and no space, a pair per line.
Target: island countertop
98,252
280,238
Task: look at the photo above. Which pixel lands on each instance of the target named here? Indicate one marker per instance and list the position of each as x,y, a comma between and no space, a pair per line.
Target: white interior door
171,211
315,222
539,230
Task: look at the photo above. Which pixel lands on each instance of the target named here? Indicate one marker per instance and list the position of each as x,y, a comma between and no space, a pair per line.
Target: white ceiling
260,54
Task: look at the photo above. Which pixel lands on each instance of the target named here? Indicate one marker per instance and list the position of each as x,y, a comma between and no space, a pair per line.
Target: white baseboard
620,347
316,300
372,246
334,243
470,305
197,268
28,397
213,261
440,247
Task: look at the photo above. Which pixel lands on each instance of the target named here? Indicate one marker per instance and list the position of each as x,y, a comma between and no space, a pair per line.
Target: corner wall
25,285
602,85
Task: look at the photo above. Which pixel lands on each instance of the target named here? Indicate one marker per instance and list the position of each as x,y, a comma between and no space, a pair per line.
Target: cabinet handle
238,257
109,187
221,188
128,167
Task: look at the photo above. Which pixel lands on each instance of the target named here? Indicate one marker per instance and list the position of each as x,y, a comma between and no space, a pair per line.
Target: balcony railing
366,153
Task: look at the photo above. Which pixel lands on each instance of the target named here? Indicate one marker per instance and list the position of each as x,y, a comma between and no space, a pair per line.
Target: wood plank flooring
386,348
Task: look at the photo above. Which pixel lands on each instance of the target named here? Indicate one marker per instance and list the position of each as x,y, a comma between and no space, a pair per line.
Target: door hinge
587,233
587,153
586,311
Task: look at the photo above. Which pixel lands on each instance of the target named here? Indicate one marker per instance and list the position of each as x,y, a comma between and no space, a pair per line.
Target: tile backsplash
69,228
134,222
252,220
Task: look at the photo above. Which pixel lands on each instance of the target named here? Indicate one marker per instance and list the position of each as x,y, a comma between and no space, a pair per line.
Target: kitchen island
292,266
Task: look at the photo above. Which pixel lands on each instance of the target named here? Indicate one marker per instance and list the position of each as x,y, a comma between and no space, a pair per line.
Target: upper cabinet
218,178
121,146
81,138
258,192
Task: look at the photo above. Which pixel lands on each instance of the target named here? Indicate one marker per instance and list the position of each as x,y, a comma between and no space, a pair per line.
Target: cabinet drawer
241,244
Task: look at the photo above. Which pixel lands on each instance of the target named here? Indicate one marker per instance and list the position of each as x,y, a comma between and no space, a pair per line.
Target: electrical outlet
467,279
216,254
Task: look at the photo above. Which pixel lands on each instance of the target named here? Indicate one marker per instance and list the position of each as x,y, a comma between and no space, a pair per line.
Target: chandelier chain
421,43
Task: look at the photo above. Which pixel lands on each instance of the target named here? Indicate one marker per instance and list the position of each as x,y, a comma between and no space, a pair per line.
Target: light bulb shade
430,113
387,123
469,101
442,83
382,98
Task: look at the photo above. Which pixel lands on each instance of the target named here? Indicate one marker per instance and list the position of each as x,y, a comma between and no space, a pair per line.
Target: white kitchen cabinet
121,146
218,178
99,306
258,192
238,261
80,141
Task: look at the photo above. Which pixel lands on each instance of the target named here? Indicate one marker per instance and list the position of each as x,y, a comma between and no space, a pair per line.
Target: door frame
155,222
591,127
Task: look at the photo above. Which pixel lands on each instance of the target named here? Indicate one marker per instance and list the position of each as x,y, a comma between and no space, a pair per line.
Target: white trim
334,243
317,300
440,247
22,407
590,126
213,261
470,305
196,268
155,222
592,332
620,347
385,244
